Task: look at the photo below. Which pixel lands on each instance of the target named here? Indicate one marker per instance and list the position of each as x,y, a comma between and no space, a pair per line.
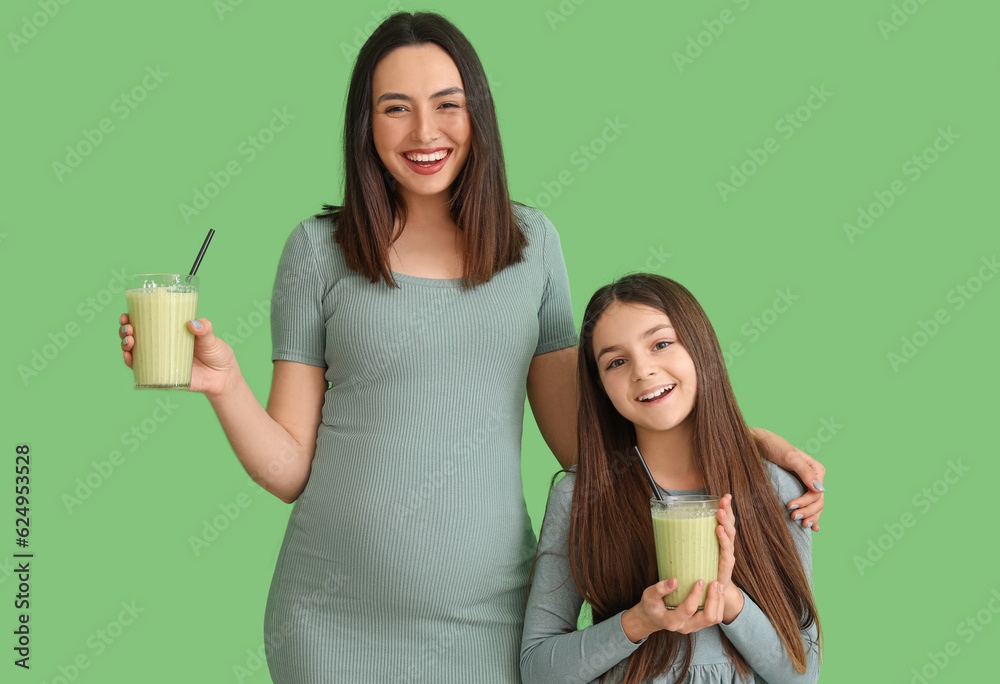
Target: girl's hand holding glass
723,602
651,613
726,530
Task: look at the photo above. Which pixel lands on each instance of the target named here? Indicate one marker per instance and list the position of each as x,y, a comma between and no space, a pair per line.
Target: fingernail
793,507
818,486
807,523
196,324
124,329
718,585
798,516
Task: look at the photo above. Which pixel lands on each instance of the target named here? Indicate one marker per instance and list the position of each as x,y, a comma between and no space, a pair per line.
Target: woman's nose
424,128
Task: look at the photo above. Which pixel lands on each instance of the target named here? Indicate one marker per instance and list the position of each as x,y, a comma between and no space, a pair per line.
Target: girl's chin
664,425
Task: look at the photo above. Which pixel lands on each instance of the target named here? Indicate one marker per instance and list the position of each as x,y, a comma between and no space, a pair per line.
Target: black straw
649,476
197,262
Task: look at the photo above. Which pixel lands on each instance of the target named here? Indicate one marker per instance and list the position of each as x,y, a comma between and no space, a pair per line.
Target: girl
408,326
652,375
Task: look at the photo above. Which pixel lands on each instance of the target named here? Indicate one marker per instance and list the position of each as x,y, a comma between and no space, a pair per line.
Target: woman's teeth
433,157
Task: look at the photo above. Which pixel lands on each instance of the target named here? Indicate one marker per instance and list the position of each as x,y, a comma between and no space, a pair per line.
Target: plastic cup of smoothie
159,307
686,544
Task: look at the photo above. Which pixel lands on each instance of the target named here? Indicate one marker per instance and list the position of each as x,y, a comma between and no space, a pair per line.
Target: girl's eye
663,344
615,363
395,109
450,105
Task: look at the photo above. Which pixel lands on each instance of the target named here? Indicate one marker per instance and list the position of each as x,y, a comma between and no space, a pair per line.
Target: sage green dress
406,556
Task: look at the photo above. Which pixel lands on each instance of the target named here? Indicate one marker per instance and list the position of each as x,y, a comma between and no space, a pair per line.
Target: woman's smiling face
647,373
420,124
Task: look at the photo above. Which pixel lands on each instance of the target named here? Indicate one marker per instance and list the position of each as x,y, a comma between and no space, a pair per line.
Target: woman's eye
663,344
395,109
615,363
449,105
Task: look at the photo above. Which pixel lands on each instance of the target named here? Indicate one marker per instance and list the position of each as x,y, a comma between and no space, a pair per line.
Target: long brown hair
480,201
611,549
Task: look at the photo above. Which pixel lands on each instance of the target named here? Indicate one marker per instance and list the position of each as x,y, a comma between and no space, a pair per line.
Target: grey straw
204,246
649,476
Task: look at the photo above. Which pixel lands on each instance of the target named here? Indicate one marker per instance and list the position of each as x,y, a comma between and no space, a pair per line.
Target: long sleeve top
550,654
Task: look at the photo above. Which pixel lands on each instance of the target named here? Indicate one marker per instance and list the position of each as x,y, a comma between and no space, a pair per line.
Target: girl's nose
642,368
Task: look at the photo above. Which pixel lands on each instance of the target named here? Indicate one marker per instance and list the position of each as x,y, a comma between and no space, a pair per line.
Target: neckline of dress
427,282
682,492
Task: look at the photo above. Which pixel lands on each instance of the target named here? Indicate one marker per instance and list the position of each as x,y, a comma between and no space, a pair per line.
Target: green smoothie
686,544
164,347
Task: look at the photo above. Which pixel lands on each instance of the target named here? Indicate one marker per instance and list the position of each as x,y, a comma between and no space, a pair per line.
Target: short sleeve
298,330
556,329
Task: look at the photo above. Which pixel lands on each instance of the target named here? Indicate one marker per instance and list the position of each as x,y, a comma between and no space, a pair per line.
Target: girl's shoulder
555,529
785,484
562,491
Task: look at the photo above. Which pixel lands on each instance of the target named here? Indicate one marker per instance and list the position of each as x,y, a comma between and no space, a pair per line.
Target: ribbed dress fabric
406,557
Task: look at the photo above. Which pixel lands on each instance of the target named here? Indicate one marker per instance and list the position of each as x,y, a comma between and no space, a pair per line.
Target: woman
431,305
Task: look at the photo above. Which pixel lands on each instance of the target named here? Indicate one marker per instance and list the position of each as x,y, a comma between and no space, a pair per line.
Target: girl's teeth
657,394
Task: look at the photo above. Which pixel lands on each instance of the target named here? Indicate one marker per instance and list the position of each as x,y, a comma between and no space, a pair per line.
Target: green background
648,200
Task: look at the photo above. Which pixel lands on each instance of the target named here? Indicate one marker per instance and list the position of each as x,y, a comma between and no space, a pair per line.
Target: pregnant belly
424,531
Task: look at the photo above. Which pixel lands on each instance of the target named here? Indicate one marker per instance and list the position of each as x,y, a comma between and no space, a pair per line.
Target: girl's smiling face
647,373
420,124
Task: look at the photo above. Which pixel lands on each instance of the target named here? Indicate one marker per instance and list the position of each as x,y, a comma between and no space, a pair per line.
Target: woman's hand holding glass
214,366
